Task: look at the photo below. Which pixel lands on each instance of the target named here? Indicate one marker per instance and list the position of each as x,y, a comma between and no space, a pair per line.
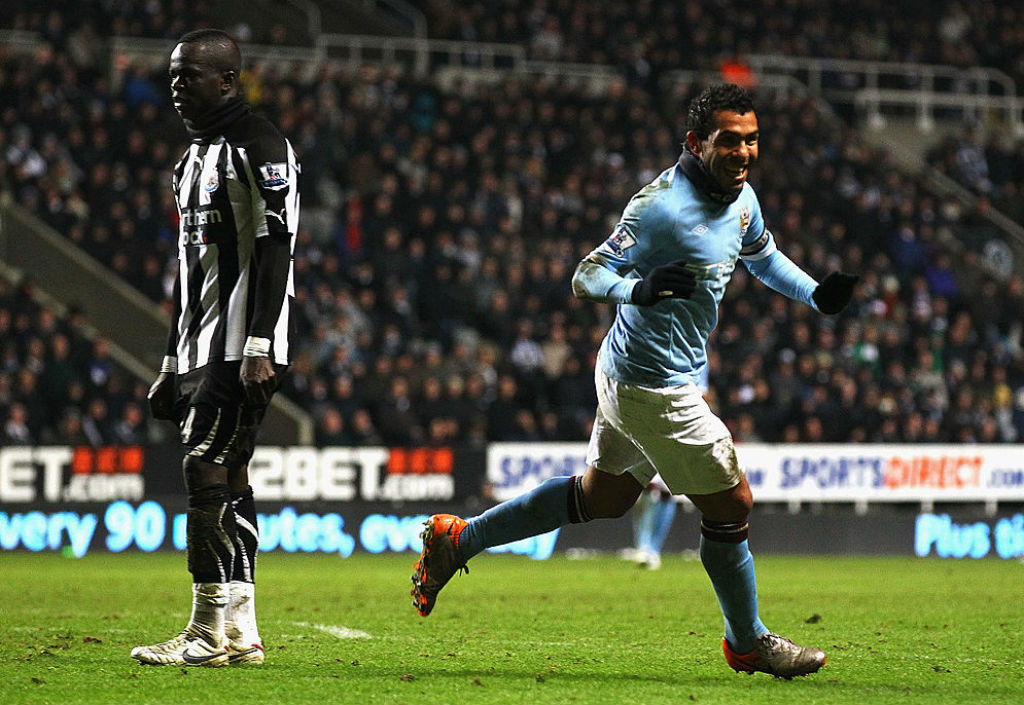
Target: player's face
731,149
196,85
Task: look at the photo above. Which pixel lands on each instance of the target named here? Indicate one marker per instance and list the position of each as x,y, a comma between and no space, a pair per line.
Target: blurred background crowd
653,37
443,219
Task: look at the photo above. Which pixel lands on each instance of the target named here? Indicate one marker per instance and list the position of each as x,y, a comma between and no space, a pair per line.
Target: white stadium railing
874,86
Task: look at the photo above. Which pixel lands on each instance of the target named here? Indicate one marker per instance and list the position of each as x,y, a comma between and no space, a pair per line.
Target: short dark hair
224,52
723,96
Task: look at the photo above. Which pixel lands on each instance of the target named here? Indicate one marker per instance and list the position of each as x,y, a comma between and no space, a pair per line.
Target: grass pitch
516,631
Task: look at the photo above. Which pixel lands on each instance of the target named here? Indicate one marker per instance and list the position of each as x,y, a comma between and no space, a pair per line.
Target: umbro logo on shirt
700,229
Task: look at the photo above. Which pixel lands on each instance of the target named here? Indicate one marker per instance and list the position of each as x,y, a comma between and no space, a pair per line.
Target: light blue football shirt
669,220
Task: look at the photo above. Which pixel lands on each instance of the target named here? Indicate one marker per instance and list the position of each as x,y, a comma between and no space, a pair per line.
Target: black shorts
217,424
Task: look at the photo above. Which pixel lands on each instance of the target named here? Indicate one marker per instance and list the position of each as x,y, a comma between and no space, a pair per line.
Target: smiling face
729,150
198,84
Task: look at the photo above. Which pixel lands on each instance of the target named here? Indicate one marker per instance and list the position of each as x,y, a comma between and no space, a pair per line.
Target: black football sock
211,535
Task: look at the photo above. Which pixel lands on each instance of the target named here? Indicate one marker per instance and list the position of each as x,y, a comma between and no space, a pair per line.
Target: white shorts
671,431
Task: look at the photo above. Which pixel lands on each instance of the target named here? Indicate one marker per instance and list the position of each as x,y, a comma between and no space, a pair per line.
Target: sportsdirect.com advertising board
962,502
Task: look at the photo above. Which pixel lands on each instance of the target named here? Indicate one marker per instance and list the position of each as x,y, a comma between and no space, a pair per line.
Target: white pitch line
335,631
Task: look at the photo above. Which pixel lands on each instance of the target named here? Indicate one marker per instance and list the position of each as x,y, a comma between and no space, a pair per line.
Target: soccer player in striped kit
237,194
666,266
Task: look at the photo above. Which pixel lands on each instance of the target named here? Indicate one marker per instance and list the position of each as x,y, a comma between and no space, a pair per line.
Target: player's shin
727,560
240,625
555,502
211,554
247,540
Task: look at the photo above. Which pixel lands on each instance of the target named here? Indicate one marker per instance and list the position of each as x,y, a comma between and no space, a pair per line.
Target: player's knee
609,496
739,505
729,506
200,474
730,510
743,500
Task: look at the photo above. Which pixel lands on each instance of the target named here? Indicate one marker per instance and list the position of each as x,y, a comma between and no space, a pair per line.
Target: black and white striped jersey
238,203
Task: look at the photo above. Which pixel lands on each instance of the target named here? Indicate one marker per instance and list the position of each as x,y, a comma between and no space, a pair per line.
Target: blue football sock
542,509
731,569
664,514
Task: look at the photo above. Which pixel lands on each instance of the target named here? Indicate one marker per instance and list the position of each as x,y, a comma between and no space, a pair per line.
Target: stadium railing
420,56
874,87
927,89
126,52
871,87
871,102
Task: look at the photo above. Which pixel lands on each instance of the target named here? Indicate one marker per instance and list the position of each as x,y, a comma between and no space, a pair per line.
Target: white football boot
202,643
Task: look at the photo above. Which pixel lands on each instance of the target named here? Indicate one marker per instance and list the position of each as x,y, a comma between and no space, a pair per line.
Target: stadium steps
136,327
905,140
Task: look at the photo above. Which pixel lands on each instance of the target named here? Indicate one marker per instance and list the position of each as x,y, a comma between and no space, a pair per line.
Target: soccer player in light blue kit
666,265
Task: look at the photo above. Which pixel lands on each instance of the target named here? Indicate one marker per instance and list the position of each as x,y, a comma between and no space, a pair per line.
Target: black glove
835,292
161,397
667,281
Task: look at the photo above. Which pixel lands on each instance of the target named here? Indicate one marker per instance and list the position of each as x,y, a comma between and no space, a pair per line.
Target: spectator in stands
96,424
363,432
68,430
395,416
16,430
331,431
130,428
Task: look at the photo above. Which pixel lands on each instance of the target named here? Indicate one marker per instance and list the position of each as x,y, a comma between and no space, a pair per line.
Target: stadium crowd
647,38
441,227
59,385
992,166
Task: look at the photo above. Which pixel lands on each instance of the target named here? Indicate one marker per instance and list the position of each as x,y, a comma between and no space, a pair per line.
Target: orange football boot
439,560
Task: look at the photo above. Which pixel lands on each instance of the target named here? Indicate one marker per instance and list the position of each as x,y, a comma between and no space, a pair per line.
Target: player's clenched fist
835,292
666,281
